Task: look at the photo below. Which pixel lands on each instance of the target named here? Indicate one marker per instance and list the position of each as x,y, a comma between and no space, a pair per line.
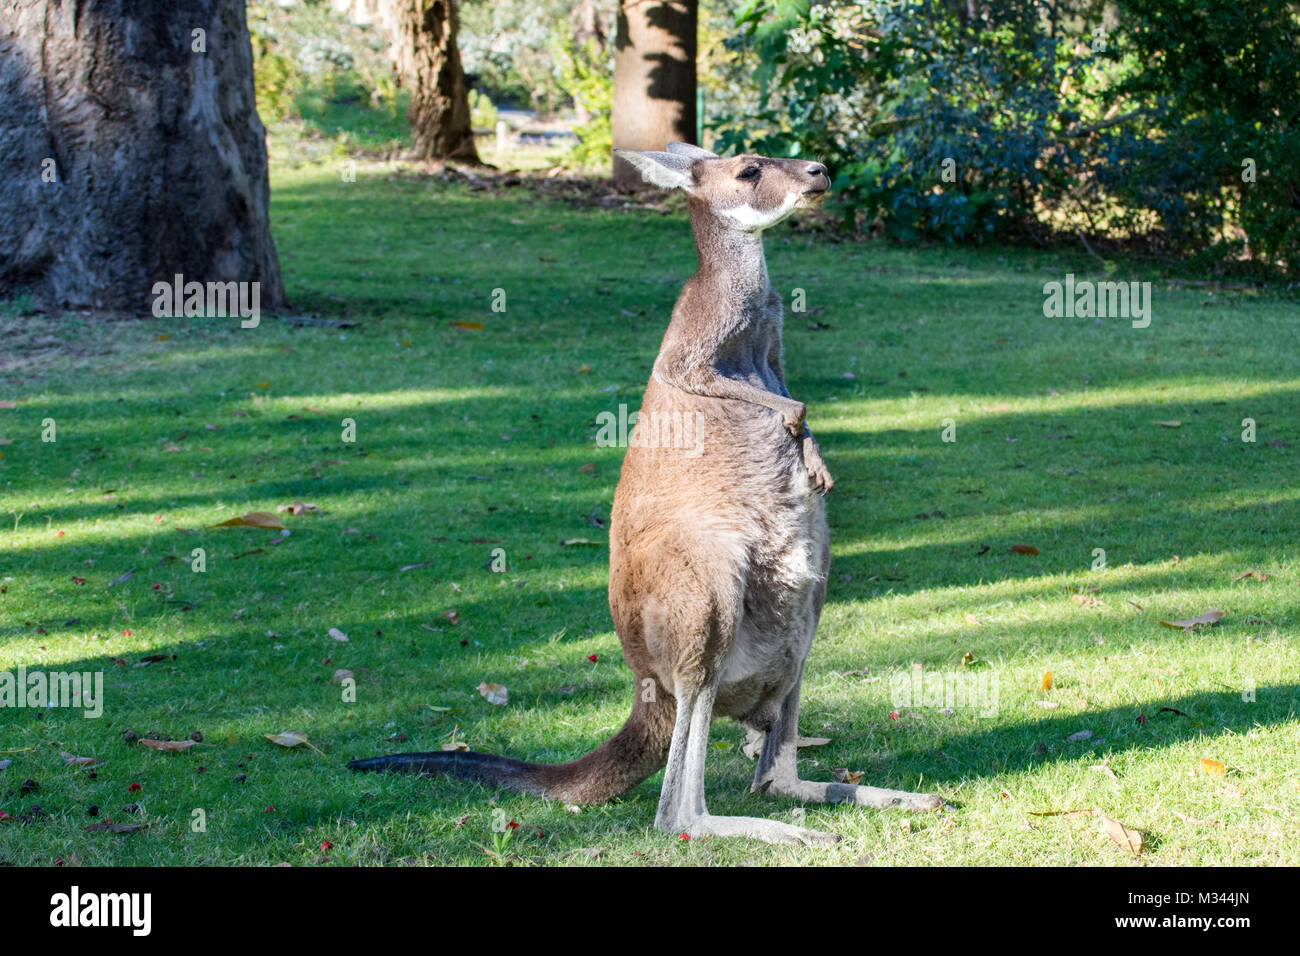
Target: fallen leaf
1103,768
467,326
1047,681
73,761
1063,813
338,635
1024,549
412,567
1130,840
169,745
494,694
1209,617
254,519
1084,600
1251,574
122,578
1173,423
452,615
576,542
845,775
1080,735
1212,768
290,738
341,675
972,620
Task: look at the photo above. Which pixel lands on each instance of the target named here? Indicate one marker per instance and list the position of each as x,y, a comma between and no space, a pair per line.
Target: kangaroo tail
638,750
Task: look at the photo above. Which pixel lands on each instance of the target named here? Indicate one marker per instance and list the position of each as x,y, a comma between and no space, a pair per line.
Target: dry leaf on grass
467,326
1172,423
1129,839
74,761
494,693
973,621
1046,682
290,738
1024,549
845,775
579,542
1212,768
168,745
341,675
254,519
1209,617
1251,574
339,636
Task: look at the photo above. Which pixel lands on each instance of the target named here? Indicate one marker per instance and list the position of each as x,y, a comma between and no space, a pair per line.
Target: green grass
473,440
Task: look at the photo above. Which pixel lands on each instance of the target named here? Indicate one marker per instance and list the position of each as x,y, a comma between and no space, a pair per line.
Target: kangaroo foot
751,828
850,793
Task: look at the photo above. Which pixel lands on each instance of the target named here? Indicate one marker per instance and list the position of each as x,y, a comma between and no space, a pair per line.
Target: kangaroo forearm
713,385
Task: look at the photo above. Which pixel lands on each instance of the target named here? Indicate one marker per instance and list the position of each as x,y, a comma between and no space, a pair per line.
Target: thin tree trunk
132,152
654,78
428,63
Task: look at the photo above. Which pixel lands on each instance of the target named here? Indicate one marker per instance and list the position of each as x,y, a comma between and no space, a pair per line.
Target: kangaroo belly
733,477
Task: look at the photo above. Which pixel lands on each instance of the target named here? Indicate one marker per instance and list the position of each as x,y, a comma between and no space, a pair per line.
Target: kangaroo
718,560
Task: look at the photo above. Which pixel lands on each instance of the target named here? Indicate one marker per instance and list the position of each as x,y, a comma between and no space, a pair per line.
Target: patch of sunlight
1161,392
402,398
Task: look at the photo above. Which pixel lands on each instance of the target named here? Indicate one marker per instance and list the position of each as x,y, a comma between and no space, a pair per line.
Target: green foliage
330,76
586,74
1216,151
1026,117
275,80
483,113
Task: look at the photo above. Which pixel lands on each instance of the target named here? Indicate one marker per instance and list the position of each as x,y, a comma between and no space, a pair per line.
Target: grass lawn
471,440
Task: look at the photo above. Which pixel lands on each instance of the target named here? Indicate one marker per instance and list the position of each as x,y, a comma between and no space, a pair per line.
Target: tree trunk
428,63
654,78
131,152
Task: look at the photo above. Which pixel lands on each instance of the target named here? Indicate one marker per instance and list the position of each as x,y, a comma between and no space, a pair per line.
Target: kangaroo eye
751,172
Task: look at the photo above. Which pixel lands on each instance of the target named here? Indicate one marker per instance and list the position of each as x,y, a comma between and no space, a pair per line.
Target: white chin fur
752,220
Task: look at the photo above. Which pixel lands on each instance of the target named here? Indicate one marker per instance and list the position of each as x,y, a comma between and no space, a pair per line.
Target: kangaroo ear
661,169
688,151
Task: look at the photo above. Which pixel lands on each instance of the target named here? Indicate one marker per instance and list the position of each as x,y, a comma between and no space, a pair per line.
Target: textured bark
654,78
158,155
428,63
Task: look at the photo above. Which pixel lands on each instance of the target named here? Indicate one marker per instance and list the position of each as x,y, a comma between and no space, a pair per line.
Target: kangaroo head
747,193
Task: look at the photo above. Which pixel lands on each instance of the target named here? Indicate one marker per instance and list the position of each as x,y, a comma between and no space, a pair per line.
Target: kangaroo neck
728,256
